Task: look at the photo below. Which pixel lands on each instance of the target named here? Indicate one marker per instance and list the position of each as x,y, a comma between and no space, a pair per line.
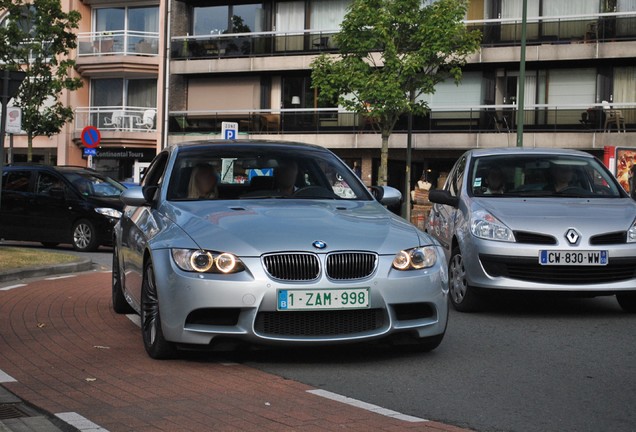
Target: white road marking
366,406
60,277
10,287
79,422
6,378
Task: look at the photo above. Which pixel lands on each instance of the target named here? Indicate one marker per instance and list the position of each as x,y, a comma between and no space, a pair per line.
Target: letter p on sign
229,130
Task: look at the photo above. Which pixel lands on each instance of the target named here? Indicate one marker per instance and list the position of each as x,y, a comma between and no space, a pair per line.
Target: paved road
544,365
527,364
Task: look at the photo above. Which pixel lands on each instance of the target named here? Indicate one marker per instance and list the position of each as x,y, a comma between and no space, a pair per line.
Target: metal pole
407,195
10,154
3,122
522,75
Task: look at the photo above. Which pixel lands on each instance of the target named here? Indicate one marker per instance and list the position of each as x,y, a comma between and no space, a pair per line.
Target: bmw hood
601,215
255,227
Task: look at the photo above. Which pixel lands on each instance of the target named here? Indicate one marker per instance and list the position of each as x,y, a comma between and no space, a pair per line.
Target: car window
231,172
541,175
46,182
16,181
155,172
456,177
93,185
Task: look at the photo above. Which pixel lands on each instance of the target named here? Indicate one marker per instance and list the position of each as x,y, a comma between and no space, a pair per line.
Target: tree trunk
384,160
29,147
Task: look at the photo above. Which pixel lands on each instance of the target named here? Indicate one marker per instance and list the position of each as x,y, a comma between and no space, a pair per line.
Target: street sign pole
3,123
11,81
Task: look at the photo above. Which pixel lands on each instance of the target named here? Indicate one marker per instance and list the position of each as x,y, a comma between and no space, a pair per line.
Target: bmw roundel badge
319,244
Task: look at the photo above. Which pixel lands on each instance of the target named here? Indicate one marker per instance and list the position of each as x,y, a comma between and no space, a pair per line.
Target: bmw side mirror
387,195
443,197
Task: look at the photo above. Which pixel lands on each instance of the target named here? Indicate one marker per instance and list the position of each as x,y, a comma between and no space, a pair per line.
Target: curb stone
82,265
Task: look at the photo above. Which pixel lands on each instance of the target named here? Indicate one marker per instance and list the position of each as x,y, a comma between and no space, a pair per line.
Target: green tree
392,52
37,37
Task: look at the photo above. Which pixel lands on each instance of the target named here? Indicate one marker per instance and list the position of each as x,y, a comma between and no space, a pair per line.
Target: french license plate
573,258
355,298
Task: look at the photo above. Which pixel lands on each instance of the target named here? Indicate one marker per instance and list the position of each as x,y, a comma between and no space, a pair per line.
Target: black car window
457,177
16,181
46,182
154,174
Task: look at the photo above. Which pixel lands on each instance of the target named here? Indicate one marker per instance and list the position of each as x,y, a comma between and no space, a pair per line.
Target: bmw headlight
415,259
110,212
486,226
203,261
631,234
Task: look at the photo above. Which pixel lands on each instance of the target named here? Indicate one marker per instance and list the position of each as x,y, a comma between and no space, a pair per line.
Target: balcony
119,125
252,44
594,118
558,30
602,27
101,53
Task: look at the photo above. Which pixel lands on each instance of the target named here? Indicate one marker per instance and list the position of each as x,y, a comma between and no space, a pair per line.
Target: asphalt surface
526,365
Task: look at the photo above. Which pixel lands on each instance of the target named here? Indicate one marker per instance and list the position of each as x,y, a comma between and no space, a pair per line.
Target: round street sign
91,136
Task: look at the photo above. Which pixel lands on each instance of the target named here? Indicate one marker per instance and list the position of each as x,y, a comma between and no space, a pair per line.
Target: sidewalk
17,416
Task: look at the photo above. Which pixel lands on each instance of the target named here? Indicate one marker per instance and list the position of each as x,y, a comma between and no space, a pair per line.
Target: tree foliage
390,50
37,37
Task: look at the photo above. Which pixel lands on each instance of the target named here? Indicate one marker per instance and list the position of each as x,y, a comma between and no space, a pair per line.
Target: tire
120,305
627,301
84,236
155,343
49,244
463,297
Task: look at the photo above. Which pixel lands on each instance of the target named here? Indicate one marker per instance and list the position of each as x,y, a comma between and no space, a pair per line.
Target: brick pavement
69,352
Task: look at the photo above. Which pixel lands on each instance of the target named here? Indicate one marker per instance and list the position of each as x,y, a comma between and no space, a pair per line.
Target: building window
327,14
245,18
138,19
121,104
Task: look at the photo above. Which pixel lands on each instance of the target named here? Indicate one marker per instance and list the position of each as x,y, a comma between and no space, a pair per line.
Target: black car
62,204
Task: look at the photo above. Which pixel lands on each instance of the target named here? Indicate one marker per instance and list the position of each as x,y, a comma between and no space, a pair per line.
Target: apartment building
248,62
120,59
157,73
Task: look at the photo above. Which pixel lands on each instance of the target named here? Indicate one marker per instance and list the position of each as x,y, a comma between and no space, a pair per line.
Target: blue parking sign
229,130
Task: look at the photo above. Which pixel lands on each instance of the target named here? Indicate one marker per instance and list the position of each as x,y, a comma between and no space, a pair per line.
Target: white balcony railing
117,118
118,43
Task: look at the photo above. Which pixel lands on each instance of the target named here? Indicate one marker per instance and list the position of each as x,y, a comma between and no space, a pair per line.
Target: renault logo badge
319,244
572,236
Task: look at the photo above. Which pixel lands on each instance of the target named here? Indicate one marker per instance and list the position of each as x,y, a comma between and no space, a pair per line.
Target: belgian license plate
354,298
573,258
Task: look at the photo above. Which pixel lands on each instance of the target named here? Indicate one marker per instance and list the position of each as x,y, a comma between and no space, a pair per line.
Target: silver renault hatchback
535,219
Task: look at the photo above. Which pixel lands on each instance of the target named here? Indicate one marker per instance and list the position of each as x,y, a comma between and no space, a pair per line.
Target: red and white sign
14,120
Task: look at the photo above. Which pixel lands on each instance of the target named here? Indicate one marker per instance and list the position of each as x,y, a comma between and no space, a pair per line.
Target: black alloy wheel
155,343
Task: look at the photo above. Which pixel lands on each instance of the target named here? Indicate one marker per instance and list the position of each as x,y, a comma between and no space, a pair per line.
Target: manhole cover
10,411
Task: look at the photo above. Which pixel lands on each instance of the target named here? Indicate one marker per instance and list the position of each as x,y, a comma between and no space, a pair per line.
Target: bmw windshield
253,172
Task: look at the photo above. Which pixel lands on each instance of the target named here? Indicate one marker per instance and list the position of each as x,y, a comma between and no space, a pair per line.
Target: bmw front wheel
155,344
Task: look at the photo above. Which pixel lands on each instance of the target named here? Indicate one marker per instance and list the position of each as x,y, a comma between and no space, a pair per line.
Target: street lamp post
11,81
522,75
